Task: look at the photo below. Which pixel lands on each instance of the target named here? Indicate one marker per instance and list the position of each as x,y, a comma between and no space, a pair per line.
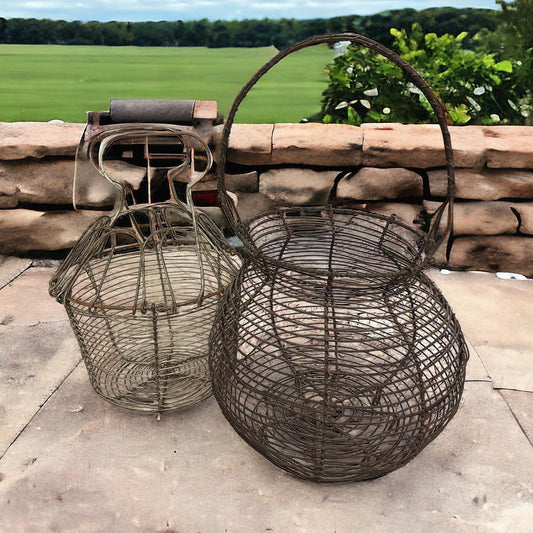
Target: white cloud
272,5
135,10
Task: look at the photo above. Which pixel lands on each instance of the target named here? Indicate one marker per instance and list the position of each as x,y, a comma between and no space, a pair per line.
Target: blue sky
141,10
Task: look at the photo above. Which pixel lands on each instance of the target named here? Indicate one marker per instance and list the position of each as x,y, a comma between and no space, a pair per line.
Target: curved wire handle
111,137
438,108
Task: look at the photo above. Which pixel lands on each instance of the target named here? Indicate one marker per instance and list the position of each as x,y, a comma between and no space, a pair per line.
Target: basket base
152,389
366,429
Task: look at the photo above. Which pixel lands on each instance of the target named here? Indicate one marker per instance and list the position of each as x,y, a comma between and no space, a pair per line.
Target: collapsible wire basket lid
332,353
141,286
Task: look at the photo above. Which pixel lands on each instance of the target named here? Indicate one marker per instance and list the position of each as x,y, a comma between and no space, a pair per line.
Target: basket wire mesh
332,353
141,288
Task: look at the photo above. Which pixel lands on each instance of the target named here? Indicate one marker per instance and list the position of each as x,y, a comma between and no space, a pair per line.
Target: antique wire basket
141,287
332,353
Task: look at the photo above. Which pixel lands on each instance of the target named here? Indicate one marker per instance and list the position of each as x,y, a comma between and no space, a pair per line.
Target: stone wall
387,168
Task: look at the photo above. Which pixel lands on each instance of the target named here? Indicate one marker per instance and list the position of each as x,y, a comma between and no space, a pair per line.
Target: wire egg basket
332,353
141,286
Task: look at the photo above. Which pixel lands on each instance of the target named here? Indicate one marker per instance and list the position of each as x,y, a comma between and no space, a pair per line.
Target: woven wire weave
337,378
141,290
332,353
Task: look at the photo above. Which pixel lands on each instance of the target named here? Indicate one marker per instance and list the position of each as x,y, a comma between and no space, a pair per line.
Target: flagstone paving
71,462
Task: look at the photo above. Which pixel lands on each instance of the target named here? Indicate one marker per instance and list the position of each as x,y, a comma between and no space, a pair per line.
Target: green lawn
40,83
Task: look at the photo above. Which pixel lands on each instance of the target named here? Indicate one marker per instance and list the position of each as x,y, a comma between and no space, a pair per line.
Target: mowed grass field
41,83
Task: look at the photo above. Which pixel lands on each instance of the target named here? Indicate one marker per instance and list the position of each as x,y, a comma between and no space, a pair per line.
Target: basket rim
143,309
420,260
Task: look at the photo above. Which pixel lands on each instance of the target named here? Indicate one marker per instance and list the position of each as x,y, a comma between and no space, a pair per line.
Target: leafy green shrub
513,39
475,87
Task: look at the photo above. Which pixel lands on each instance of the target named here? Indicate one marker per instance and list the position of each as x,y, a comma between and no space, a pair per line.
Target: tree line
245,33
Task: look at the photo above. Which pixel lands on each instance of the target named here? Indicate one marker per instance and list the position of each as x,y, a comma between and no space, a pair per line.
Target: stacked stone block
387,168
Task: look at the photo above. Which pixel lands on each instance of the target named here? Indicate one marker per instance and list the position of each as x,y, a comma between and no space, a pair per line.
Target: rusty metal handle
354,38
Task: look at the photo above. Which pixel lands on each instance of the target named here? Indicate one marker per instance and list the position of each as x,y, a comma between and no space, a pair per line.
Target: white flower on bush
341,47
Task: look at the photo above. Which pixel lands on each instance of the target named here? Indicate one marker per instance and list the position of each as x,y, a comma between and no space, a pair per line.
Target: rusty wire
332,353
337,378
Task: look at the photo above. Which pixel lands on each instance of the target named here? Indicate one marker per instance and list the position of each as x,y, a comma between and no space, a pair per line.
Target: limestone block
249,144
39,181
479,218
125,172
407,213
245,182
484,184
24,230
8,193
420,146
19,140
8,201
326,145
11,267
297,186
251,204
216,215
7,188
439,255
493,253
92,189
525,212
50,181
509,146
372,183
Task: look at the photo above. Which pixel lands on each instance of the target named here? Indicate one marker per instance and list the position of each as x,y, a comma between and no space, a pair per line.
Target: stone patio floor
71,462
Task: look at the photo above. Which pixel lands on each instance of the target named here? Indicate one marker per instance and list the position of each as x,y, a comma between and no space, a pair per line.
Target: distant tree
308,28
246,33
265,31
243,33
518,19
196,33
177,31
96,32
117,33
285,34
73,32
220,36
19,31
3,26
340,24
153,34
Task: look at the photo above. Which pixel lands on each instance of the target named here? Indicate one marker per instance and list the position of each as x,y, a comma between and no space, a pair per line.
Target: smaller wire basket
141,287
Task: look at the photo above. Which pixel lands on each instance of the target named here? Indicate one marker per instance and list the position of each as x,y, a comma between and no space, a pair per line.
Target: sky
143,10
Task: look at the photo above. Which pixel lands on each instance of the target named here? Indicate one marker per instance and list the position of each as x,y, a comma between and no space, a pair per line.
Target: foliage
513,40
475,87
245,33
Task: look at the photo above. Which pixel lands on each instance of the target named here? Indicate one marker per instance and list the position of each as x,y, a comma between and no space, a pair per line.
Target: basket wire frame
141,288
332,353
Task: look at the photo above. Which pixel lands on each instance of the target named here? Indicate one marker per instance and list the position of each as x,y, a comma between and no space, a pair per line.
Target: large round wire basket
141,288
332,353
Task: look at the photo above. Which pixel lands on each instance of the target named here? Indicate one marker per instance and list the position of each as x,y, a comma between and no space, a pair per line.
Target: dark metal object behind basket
332,353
